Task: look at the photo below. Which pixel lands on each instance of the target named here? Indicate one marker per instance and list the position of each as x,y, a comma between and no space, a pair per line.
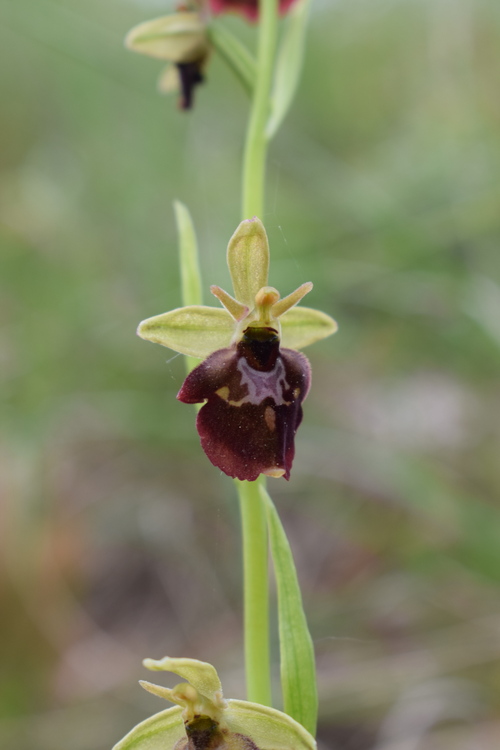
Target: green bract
203,720
199,330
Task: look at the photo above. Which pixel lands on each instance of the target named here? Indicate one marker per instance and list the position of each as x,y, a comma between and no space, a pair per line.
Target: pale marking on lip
262,385
273,471
270,418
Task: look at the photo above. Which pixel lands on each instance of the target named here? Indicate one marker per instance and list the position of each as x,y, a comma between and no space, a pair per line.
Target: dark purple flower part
204,733
253,392
190,76
248,8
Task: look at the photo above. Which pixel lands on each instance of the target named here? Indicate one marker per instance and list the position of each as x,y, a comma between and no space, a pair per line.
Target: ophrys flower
203,720
181,39
252,380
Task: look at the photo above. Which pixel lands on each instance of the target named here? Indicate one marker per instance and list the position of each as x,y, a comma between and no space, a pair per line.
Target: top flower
248,8
180,39
252,380
203,720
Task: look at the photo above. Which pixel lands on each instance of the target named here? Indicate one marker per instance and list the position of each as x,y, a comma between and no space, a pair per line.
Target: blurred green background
118,539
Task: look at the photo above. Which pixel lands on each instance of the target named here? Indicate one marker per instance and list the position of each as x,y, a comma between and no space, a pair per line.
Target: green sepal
180,38
298,670
288,65
200,674
196,330
160,732
248,260
235,54
302,326
268,728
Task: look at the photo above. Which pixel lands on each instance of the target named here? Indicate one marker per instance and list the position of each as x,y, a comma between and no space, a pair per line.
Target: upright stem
254,164
256,594
253,512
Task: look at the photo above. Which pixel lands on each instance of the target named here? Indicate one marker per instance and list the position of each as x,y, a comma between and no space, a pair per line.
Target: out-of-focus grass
118,539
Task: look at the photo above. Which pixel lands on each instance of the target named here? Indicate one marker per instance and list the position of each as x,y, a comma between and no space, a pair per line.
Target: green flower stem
254,164
253,511
256,590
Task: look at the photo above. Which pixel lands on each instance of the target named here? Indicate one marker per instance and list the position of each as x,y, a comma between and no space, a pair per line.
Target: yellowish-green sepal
248,260
180,38
302,326
268,728
195,330
200,674
160,732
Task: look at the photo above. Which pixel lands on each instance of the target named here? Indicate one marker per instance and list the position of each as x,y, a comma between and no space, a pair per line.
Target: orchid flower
181,39
203,720
252,379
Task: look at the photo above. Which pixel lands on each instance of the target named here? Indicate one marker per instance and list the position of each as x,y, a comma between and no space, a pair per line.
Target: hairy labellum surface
253,393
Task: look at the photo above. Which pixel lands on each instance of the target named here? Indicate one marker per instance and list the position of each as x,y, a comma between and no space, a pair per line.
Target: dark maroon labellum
253,393
190,76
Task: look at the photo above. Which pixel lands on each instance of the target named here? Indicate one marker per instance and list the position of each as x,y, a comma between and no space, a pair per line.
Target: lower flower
203,720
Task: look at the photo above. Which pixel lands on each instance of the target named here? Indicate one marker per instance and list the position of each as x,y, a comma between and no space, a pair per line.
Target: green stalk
253,510
256,593
254,160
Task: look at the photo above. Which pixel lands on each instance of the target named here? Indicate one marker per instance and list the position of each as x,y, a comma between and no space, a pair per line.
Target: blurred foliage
118,538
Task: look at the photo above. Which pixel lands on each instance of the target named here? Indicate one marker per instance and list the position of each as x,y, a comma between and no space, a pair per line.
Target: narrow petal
180,37
159,690
196,330
248,260
302,326
169,80
160,732
285,304
269,729
234,308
